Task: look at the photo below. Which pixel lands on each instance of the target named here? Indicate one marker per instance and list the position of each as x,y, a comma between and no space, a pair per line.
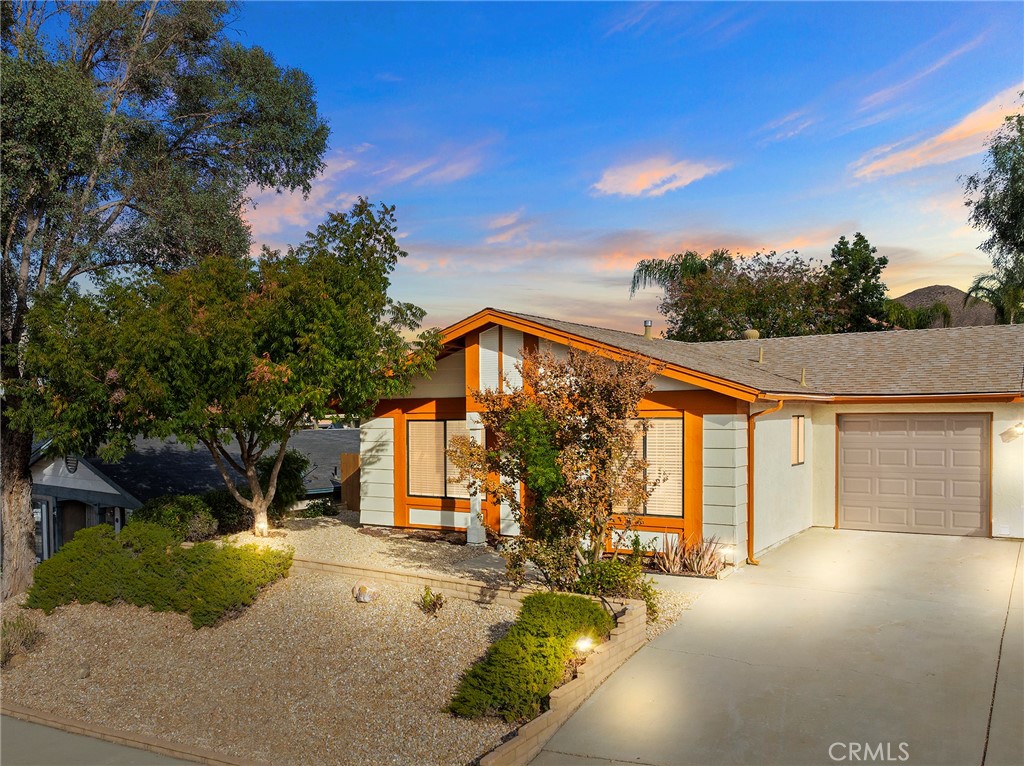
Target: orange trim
472,370
693,476
401,482
676,372
670,404
750,478
449,408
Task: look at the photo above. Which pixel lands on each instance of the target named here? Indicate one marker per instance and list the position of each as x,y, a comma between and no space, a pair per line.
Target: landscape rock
365,591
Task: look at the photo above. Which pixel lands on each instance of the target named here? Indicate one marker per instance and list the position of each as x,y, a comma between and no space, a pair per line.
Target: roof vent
750,334
648,332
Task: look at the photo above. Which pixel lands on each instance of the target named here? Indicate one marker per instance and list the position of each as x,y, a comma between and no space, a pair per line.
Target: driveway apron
842,647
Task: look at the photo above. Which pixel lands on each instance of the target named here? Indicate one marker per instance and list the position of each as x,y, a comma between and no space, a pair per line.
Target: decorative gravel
304,676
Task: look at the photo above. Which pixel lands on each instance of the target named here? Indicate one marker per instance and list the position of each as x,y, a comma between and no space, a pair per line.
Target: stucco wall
377,472
1007,459
784,498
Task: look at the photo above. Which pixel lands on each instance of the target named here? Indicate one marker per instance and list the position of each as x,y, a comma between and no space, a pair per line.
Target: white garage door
925,473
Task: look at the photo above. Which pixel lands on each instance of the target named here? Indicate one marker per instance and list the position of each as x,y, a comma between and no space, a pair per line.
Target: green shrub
290,485
621,578
520,670
316,508
91,567
188,516
219,581
18,635
145,566
230,515
431,603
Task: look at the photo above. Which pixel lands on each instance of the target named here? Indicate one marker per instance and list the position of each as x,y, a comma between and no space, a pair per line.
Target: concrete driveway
842,647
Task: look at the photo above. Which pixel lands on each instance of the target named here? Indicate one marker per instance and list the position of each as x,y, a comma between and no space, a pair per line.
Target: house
70,493
905,431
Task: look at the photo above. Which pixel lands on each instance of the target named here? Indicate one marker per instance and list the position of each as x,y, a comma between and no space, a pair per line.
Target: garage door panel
921,473
891,457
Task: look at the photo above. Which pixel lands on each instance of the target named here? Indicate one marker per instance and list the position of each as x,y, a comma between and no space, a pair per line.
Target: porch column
475,532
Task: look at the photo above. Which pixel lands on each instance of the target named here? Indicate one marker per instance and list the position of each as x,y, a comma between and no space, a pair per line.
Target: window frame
798,440
444,459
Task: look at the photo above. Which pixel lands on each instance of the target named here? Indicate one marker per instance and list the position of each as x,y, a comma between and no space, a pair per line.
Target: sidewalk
30,744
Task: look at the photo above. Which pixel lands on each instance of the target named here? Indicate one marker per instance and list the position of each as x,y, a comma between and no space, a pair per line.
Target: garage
926,473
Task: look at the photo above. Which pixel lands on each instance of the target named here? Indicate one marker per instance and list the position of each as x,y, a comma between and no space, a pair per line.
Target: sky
535,152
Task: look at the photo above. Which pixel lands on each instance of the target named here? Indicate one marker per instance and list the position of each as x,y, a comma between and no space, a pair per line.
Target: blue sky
536,151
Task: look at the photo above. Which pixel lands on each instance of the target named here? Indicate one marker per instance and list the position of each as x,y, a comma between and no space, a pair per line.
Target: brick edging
130,739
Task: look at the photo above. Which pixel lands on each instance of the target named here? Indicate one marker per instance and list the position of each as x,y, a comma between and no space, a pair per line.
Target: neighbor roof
938,362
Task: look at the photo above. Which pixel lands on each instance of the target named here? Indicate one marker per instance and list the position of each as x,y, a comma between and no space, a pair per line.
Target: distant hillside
963,316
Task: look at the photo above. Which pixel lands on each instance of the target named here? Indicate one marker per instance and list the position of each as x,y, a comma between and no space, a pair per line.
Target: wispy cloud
787,126
655,176
507,228
447,165
965,138
879,97
635,19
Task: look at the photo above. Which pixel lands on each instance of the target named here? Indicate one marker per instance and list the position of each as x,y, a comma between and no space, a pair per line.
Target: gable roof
961,361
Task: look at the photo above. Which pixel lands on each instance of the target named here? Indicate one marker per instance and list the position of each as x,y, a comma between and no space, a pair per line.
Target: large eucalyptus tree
130,133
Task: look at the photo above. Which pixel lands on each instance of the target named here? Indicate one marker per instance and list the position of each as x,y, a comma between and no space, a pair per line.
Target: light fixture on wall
1013,432
71,463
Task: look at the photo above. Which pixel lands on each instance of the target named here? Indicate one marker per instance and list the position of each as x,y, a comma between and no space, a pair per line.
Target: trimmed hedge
146,566
519,671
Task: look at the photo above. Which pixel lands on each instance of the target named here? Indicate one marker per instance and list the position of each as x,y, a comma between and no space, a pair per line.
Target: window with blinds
663,450
429,470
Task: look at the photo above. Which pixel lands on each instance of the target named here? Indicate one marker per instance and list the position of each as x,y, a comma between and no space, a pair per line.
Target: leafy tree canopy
241,350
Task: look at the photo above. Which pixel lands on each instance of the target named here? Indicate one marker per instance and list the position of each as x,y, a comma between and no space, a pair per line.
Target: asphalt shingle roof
958,360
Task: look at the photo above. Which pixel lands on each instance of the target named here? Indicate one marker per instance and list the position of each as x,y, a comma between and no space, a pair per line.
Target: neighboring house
904,431
69,494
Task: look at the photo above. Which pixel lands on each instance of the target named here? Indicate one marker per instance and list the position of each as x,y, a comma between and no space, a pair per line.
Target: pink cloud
655,176
967,137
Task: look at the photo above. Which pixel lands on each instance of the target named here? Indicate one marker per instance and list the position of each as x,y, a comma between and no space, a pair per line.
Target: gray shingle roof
959,360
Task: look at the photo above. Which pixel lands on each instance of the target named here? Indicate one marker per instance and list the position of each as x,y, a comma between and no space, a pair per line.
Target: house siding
377,472
725,481
783,492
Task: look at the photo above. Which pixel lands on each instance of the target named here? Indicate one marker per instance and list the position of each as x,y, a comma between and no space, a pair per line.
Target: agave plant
673,552
704,557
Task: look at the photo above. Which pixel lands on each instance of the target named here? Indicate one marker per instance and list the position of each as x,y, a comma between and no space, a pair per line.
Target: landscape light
584,644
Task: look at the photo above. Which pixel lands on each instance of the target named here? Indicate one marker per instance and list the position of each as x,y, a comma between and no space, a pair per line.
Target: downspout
750,477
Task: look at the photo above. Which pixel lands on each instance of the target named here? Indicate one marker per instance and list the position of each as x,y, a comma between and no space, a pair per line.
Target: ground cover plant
145,565
519,671
18,635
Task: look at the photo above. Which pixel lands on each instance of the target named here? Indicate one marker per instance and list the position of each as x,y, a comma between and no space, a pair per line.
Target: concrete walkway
842,647
29,744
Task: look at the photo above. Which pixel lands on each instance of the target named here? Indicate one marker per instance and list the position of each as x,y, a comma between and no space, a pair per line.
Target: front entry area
915,472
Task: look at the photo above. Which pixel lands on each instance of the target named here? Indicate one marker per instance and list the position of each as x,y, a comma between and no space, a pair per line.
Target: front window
430,472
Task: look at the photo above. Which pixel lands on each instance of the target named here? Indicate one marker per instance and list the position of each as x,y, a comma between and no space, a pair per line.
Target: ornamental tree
129,133
568,435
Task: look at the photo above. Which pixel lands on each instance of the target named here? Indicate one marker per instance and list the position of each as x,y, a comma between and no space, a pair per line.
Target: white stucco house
902,431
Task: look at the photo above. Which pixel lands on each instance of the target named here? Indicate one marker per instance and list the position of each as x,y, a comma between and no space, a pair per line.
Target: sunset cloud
655,176
967,137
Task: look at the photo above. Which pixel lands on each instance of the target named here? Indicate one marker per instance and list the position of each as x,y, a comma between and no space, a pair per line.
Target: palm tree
1003,289
903,317
666,271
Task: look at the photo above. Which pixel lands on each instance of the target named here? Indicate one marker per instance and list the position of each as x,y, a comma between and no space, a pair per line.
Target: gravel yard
305,676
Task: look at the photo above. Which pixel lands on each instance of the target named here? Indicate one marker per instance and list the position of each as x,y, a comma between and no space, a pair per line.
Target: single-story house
903,431
70,493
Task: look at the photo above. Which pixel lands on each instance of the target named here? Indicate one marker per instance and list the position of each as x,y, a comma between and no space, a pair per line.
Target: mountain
963,316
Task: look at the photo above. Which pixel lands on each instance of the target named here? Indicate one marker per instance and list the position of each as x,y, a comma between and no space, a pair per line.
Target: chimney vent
648,331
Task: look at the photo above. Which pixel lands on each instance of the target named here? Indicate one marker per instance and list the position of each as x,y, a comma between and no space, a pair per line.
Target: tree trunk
260,523
19,529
